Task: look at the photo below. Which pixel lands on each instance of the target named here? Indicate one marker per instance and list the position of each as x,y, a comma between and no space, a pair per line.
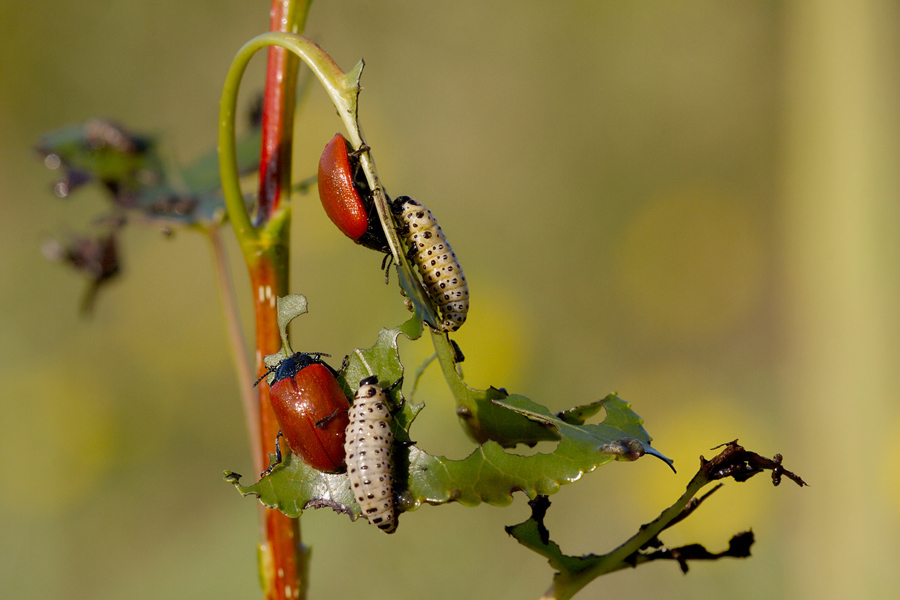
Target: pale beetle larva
368,453
443,278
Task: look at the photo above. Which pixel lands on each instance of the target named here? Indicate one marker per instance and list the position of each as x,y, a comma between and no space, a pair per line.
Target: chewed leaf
383,360
490,474
616,435
289,308
293,486
574,572
487,418
140,183
534,535
96,258
103,150
482,419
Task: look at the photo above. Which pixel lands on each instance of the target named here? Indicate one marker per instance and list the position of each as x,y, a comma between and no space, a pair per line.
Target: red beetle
311,409
346,196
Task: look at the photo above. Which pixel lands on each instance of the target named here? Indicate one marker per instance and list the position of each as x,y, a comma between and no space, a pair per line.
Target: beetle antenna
269,371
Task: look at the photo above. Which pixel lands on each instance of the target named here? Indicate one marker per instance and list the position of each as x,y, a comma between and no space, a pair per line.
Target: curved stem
342,89
445,356
228,167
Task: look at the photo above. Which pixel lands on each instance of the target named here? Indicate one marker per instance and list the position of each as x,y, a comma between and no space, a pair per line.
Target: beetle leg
391,387
277,456
344,365
386,263
360,150
324,421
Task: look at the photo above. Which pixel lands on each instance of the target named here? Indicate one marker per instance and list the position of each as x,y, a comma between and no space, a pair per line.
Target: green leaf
202,175
417,298
490,474
487,417
288,308
383,360
482,418
102,150
621,434
131,169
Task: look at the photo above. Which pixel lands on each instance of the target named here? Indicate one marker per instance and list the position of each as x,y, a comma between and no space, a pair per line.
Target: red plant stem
278,117
283,556
283,563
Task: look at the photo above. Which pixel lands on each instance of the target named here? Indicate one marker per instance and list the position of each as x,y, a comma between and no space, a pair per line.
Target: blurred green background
694,204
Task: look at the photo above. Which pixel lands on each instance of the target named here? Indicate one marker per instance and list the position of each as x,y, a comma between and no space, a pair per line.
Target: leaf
616,435
289,308
132,170
490,474
96,258
574,572
103,150
488,417
482,419
534,535
417,298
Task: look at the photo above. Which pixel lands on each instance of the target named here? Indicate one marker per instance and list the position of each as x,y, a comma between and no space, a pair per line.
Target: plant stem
284,567
237,344
565,585
283,563
283,559
278,110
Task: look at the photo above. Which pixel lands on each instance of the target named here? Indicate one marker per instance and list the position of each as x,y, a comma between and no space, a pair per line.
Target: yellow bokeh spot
62,432
687,415
496,339
737,506
497,343
691,265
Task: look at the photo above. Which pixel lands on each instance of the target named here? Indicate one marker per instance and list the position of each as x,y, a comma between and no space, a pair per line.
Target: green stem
342,89
446,358
566,585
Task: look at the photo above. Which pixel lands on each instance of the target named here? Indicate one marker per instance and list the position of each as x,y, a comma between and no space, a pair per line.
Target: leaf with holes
490,474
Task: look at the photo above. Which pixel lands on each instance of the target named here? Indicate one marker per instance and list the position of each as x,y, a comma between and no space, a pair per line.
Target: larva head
368,387
407,209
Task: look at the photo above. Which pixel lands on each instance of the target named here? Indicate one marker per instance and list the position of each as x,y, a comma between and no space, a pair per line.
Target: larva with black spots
437,263
368,447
